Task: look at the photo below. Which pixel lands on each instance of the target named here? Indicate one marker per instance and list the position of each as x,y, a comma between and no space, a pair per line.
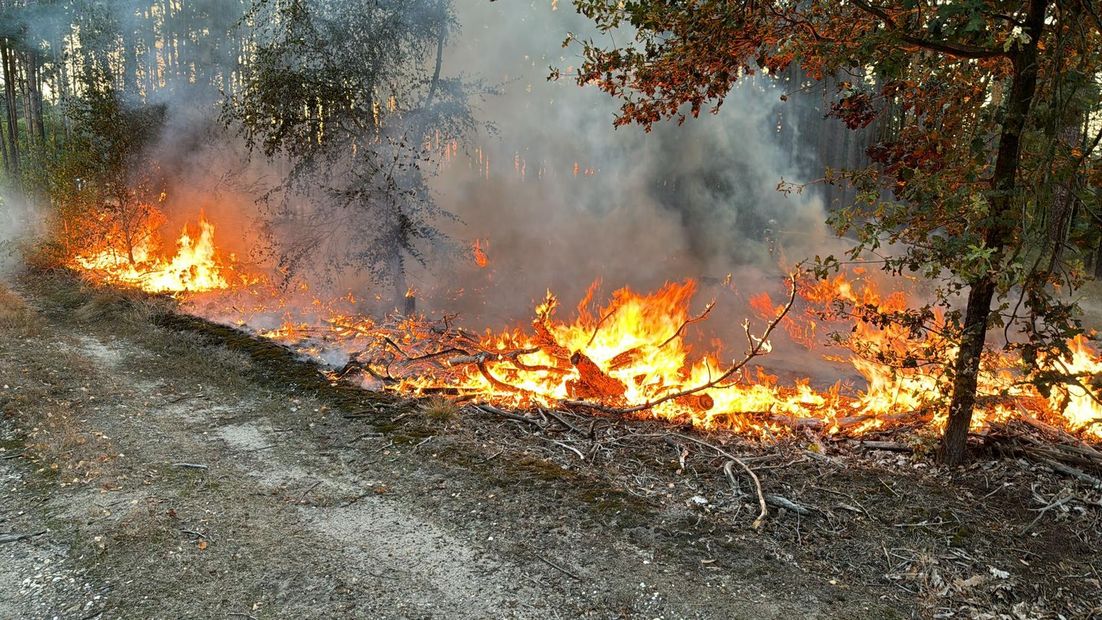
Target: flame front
633,354
1079,400
634,351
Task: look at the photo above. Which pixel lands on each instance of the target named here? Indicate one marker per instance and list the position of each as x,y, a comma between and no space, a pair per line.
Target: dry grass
15,315
103,302
440,409
88,302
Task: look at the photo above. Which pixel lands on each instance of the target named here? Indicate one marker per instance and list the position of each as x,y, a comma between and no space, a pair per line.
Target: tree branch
950,48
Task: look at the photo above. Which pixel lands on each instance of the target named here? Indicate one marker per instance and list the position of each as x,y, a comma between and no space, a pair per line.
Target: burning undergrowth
635,354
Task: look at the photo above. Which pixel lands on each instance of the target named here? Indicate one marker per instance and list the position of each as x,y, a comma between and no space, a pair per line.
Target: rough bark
7,60
953,449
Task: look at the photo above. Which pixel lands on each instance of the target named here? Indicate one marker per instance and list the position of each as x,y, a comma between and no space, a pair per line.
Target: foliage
105,185
350,96
988,184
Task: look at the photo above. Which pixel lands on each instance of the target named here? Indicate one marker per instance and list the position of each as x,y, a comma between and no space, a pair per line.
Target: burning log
592,382
701,402
546,341
627,358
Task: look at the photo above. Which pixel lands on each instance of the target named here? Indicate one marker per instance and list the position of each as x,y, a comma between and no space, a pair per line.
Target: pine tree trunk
40,82
28,109
9,103
4,149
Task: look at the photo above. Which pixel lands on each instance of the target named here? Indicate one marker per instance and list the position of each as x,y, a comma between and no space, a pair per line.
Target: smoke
558,197
21,224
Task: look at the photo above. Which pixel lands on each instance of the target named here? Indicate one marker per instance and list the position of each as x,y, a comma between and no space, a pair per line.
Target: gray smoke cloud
559,197
21,225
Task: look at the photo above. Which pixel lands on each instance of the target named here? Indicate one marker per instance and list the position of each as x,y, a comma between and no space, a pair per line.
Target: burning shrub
105,186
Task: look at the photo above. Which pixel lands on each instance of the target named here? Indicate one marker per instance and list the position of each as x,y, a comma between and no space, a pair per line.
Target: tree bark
9,101
23,72
954,442
35,85
953,449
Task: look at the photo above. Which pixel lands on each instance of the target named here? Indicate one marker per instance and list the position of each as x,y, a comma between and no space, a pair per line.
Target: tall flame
194,267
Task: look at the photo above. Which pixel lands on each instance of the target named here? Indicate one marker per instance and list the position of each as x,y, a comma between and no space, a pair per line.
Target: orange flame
635,351
480,257
194,267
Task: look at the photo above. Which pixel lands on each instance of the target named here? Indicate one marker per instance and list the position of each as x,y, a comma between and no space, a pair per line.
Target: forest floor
155,465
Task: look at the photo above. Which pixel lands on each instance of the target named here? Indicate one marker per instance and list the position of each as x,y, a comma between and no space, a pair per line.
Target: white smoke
559,197
21,226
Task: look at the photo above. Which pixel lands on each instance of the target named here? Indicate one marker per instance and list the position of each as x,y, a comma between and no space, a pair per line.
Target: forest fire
195,266
633,357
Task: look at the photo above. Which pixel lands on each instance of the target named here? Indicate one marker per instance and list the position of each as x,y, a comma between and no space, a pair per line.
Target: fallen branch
505,414
563,421
787,504
498,383
737,461
488,356
758,346
1078,474
557,567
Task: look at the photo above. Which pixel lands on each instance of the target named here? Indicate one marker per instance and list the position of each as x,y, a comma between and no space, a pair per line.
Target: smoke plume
558,197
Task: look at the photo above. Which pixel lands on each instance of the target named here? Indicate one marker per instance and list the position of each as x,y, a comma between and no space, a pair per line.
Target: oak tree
989,178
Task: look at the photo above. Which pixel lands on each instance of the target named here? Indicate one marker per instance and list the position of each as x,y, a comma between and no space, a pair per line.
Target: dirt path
166,481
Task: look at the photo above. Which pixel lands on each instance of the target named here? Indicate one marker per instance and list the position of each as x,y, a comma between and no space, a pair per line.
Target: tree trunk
954,441
35,84
61,78
28,108
4,148
953,449
9,101
130,61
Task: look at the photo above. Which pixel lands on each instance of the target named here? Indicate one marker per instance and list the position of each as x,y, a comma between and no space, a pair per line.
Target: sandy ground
157,473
